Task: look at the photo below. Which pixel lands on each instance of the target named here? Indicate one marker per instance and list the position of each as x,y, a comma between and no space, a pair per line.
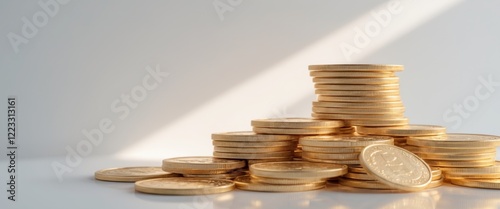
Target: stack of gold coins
401,133
204,167
358,177
388,167
290,176
484,177
339,149
454,151
251,146
299,127
359,94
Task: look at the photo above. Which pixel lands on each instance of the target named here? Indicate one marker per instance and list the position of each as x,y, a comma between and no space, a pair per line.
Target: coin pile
338,149
204,167
293,176
359,94
401,133
252,146
453,151
483,177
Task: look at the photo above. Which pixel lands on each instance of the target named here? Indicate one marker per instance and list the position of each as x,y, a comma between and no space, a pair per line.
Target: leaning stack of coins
388,167
291,176
357,177
359,94
251,146
338,149
204,167
401,133
454,151
299,127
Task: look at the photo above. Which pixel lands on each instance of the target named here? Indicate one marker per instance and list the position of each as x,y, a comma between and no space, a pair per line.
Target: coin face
184,186
299,123
456,140
357,67
297,170
351,74
131,174
344,141
201,163
250,136
408,130
396,167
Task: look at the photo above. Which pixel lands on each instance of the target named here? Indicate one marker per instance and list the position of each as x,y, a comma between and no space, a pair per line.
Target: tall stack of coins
359,94
339,149
204,167
401,133
454,151
299,127
251,146
289,176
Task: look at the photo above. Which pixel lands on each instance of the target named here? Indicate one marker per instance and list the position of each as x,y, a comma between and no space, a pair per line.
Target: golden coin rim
194,191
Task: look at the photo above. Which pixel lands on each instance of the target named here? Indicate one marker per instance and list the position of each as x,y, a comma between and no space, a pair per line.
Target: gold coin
340,162
456,140
131,174
396,167
356,117
183,164
364,184
351,105
250,136
385,80
344,141
351,74
297,153
436,171
231,175
360,176
332,149
409,130
358,87
282,181
323,98
255,161
331,156
435,183
358,111
457,157
299,123
296,131
461,164
380,122
356,169
246,183
269,155
297,170
473,176
357,93
357,67
439,150
253,149
254,144
482,170
184,186
478,183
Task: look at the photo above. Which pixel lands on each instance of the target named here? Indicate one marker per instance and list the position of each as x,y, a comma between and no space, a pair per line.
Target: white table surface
38,187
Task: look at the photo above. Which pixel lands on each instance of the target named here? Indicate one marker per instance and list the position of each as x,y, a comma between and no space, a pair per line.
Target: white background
223,72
